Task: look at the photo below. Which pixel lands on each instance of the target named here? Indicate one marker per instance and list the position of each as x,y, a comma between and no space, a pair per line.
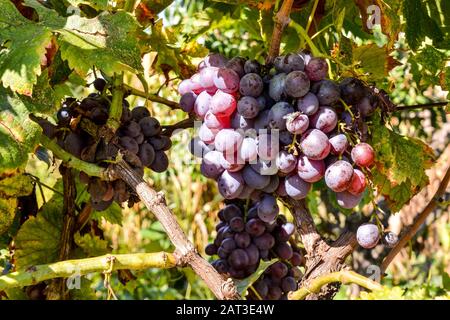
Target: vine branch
420,219
183,124
423,106
185,251
151,97
68,268
343,276
281,21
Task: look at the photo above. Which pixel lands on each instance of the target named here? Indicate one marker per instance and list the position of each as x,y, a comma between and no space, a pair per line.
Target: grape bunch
139,139
244,238
279,129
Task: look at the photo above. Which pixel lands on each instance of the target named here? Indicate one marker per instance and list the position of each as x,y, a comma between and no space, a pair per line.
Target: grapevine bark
156,203
321,258
281,21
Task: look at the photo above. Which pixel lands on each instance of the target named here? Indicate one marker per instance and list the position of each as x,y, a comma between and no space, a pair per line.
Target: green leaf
244,284
37,241
400,165
371,61
113,214
96,4
91,245
15,186
24,44
18,134
419,24
7,213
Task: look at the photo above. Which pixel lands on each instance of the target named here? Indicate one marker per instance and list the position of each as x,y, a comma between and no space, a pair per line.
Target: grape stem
411,230
281,21
151,97
73,268
183,124
115,111
343,276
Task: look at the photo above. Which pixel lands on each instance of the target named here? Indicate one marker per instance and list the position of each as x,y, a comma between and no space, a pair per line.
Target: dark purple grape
237,224
129,144
284,251
139,113
289,62
255,227
262,288
64,115
146,154
277,115
132,129
215,60
274,293
74,144
228,245
221,266
242,239
352,90
268,208
279,270
265,241
308,104
187,101
296,84
277,87
251,85
297,259
288,284
248,107
252,66
222,253
99,84
150,126
325,119
237,64
161,162
316,69
238,259
231,211
210,249
160,143
253,254
328,93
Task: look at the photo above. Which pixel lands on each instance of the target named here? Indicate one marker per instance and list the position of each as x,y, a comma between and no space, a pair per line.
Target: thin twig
420,219
151,97
423,106
183,124
281,21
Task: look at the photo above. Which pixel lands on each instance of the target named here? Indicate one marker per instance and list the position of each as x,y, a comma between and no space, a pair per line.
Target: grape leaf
18,134
371,60
400,165
91,245
14,186
96,4
244,284
7,213
24,44
37,241
419,24
112,214
109,41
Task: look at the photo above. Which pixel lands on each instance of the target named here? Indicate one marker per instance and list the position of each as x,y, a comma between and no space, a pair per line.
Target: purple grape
296,187
228,244
314,144
289,62
297,259
210,249
325,119
161,162
286,162
146,154
230,184
268,146
228,140
286,138
255,227
288,284
338,176
279,270
237,224
237,64
352,90
277,87
242,239
277,115
338,144
252,66
238,259
251,85
283,250
262,120
239,122
273,184
253,179
310,170
211,165
253,254
226,80
248,150
296,84
368,235
198,148
265,241
347,200
316,69
265,167
187,101
328,93
308,104
297,123
215,60
248,107
268,208
231,211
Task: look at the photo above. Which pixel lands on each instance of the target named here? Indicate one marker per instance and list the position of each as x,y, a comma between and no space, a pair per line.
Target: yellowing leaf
91,245
400,165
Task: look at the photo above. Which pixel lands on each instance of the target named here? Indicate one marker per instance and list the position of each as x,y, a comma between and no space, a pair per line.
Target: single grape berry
368,235
390,239
363,155
64,116
99,84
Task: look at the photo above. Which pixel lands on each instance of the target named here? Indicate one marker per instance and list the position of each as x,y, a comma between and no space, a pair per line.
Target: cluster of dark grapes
244,238
279,129
139,139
